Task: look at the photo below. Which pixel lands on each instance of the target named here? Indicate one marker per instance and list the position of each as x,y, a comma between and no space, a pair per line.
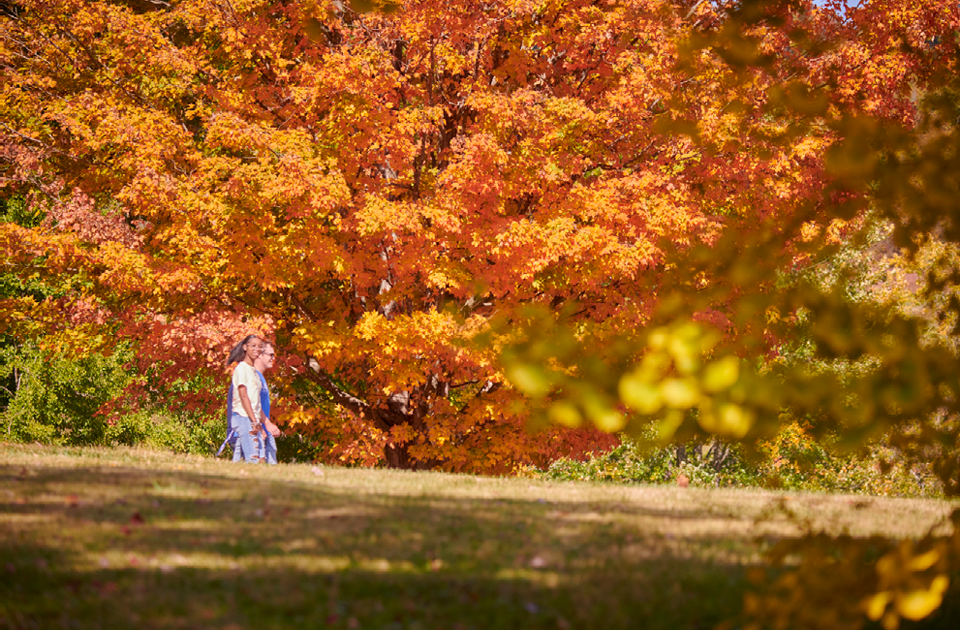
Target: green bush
180,433
795,461
632,462
792,461
54,399
57,399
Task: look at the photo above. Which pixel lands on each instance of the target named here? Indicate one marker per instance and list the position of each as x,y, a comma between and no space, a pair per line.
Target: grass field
99,538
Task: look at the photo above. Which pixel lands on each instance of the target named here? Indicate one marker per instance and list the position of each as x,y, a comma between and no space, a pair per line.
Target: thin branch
693,10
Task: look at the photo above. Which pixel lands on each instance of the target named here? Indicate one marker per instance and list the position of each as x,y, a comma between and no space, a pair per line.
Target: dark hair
238,353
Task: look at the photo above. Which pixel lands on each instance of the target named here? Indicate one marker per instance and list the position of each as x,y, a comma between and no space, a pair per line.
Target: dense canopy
385,193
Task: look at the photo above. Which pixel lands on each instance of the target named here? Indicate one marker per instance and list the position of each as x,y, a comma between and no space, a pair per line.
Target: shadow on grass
131,548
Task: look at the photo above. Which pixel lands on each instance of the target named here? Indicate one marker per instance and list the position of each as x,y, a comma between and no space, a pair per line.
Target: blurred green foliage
775,321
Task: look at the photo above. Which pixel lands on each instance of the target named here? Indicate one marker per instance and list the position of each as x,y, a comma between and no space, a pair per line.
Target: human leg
235,443
248,446
268,452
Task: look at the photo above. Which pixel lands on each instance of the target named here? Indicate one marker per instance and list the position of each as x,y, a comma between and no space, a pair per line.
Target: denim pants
268,447
248,446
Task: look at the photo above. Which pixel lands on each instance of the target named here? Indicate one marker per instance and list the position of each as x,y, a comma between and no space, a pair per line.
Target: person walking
268,437
244,399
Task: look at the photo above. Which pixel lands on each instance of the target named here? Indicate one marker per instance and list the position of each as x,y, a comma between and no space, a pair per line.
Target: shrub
56,399
791,461
632,462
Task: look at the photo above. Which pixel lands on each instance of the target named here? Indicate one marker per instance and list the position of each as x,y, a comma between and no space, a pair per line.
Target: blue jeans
247,447
268,447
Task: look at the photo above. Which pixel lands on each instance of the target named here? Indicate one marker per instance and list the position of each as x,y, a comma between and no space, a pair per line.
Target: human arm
271,428
245,403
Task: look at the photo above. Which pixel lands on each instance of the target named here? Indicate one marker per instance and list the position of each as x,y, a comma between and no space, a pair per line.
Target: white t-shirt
245,374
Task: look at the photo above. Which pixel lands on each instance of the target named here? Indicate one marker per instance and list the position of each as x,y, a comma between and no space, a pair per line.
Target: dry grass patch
143,539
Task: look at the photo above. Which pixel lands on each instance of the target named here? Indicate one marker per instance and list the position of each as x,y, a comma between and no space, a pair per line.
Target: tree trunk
397,456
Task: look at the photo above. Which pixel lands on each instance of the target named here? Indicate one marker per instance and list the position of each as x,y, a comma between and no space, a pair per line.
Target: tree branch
343,398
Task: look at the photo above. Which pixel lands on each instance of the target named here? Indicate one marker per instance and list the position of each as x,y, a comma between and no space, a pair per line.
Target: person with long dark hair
245,399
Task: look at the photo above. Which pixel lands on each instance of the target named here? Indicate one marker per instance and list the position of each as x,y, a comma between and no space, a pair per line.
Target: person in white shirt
245,390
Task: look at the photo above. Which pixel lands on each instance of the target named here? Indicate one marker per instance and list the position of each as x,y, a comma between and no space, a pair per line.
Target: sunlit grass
144,539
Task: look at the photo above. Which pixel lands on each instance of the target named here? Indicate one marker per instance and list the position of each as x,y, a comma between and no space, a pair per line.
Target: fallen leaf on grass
136,519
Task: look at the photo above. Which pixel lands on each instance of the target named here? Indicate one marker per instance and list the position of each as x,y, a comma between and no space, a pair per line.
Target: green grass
100,538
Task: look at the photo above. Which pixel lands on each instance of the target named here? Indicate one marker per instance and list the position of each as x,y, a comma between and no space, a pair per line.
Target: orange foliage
371,188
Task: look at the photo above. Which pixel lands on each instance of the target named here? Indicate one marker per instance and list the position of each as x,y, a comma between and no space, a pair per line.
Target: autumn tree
389,192
880,361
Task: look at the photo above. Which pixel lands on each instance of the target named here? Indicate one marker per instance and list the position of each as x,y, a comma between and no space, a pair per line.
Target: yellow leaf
721,374
680,393
876,604
728,419
735,420
918,604
685,347
605,417
639,395
658,338
529,379
670,423
940,584
924,561
566,414
610,421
